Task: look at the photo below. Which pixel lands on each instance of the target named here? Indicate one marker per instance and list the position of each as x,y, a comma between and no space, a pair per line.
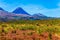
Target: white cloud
51,12
32,9
58,4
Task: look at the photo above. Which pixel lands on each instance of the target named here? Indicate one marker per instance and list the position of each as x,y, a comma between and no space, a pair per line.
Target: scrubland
30,30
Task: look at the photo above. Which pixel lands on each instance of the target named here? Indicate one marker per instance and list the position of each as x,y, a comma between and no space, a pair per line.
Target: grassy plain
30,30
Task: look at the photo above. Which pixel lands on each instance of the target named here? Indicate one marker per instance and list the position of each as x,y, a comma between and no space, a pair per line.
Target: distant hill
5,15
19,11
39,16
20,14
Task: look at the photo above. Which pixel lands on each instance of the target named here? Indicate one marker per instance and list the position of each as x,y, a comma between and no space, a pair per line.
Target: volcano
20,11
1,9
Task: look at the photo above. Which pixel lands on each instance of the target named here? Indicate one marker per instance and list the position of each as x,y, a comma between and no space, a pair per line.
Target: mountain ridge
20,16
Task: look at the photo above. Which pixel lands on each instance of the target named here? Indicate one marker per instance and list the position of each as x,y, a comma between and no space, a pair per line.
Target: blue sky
46,7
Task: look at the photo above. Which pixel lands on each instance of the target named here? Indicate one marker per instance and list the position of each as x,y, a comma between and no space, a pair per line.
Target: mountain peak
19,10
1,9
39,14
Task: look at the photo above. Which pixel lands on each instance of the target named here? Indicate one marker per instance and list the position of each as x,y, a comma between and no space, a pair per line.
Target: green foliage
27,28
51,25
